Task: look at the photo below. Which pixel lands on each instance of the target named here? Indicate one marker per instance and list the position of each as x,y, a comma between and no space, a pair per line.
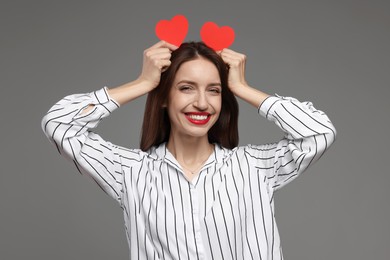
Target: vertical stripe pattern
226,212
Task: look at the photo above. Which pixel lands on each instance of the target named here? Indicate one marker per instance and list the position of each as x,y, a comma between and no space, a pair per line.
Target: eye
215,90
186,88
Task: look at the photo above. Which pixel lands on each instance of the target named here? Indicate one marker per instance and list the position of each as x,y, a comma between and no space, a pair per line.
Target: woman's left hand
236,62
236,78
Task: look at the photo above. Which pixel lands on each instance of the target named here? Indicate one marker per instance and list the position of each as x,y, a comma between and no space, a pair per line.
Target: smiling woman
198,91
190,192
194,100
184,77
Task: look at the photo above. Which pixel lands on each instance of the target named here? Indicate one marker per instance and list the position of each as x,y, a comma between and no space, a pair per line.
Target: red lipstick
198,118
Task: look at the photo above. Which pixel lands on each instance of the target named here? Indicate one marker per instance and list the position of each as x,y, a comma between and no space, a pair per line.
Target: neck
190,151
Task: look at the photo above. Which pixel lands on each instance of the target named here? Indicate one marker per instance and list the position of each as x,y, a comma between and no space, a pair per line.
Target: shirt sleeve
308,133
69,129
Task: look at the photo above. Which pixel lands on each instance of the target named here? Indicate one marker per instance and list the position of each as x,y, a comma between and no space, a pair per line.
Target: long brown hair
156,125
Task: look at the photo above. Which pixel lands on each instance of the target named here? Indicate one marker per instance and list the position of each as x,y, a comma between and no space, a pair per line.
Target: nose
201,102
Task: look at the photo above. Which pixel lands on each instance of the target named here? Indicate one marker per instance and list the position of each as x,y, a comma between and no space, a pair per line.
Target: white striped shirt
226,212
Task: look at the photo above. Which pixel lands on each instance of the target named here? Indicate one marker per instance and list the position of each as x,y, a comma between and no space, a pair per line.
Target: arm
308,131
69,129
308,134
236,80
155,60
69,123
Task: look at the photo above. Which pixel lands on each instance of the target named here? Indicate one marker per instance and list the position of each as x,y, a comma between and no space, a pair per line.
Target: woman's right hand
156,60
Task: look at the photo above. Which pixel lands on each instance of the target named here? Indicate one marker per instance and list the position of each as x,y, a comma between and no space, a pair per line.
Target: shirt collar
161,152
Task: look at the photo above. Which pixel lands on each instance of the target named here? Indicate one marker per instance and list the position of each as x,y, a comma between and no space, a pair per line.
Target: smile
198,118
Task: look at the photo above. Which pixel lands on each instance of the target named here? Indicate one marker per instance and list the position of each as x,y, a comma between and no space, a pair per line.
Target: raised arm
155,60
69,123
308,131
237,83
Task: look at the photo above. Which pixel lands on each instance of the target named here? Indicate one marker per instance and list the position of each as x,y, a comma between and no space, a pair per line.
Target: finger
231,51
157,45
164,64
168,45
161,46
164,44
230,60
161,53
233,59
233,54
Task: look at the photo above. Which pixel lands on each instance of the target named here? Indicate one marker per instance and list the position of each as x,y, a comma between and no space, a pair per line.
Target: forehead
198,70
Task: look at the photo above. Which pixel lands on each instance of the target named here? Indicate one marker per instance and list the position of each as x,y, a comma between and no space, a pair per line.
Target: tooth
198,117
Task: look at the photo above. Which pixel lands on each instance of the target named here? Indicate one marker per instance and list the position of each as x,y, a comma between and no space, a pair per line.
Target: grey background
333,53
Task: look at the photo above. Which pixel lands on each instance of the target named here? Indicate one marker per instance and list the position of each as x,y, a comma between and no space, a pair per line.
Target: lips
198,118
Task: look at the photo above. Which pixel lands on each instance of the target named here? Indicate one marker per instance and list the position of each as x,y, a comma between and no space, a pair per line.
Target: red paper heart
216,37
173,31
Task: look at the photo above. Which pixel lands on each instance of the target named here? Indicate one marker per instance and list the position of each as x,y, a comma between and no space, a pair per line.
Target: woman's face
195,98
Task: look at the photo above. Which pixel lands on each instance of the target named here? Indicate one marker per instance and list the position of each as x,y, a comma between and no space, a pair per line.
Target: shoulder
249,151
257,155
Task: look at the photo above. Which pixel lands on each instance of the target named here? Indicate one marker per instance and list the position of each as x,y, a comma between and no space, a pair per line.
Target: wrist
238,88
130,90
149,85
146,84
249,94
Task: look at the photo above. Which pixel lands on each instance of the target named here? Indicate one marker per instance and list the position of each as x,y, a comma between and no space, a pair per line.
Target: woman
190,192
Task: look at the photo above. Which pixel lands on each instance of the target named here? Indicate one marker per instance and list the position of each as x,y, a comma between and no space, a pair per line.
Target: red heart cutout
173,31
216,37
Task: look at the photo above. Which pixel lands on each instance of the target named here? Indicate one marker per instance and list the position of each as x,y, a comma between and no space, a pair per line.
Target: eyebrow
194,83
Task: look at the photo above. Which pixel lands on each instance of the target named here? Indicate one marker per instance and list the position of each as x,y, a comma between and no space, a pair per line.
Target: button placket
196,218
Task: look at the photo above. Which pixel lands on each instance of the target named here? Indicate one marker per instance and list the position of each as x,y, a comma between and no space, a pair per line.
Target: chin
197,133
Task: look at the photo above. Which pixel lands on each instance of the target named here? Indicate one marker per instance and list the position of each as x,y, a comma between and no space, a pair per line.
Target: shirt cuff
267,105
98,98
101,97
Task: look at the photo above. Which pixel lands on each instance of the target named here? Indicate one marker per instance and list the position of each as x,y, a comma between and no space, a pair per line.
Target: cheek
171,111
174,108
218,105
